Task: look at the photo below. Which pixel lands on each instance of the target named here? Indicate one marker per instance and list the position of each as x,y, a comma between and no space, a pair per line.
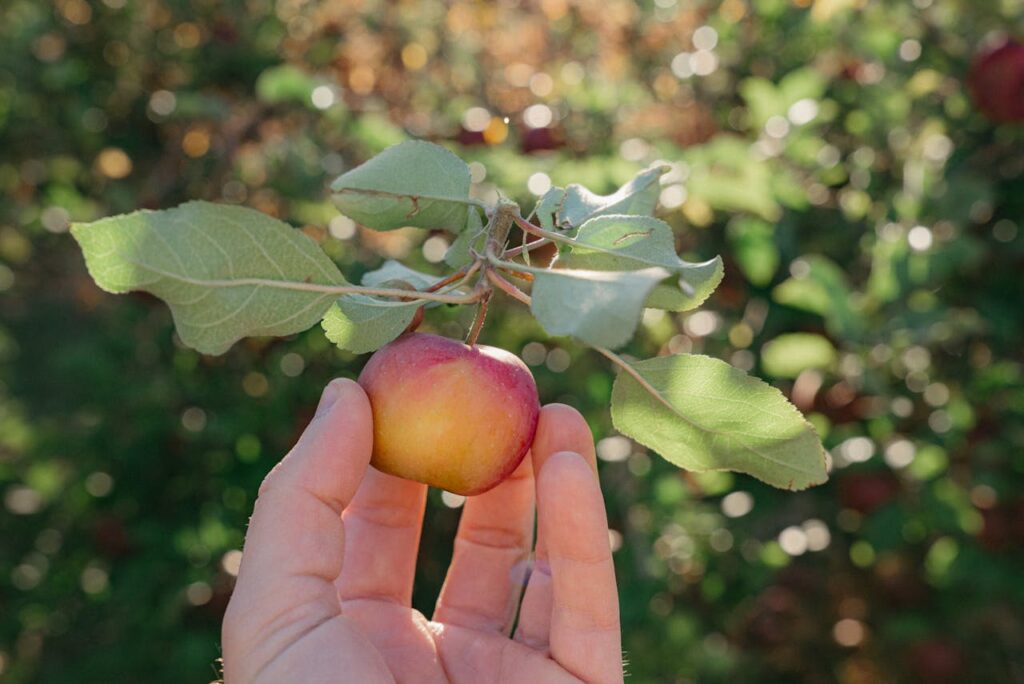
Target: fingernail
331,394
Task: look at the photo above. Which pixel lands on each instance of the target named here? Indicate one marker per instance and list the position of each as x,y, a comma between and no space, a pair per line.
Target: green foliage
706,415
129,462
226,272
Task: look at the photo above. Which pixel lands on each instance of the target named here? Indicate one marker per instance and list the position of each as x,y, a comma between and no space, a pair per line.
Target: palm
361,626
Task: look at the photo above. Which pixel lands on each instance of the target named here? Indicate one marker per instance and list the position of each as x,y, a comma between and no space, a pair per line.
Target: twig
508,288
516,273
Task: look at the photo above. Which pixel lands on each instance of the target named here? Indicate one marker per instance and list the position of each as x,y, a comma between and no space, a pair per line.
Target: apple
452,416
996,82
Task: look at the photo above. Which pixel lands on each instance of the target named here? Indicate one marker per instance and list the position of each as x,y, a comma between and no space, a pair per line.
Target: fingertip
562,428
340,391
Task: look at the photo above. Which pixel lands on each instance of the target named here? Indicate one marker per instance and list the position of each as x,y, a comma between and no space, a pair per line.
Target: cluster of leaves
228,272
868,217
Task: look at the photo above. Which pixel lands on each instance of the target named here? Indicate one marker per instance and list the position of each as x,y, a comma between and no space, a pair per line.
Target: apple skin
448,415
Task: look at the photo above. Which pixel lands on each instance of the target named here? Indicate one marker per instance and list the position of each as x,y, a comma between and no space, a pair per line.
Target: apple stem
481,314
508,288
417,318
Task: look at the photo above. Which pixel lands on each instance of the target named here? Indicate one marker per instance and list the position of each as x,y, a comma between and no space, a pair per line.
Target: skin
325,585
451,416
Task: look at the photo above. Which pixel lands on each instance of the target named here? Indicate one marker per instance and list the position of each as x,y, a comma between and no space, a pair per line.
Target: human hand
325,586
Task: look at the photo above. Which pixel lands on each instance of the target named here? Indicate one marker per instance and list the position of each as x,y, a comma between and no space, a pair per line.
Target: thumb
294,546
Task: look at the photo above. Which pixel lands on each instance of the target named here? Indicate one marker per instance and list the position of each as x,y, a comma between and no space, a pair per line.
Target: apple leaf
413,183
639,196
702,414
598,307
361,324
630,242
548,207
225,271
394,274
460,253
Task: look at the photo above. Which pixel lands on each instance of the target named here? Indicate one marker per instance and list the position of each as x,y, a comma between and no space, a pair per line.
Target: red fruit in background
541,139
864,492
996,82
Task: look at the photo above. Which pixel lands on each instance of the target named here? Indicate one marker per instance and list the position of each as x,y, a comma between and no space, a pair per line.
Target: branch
540,232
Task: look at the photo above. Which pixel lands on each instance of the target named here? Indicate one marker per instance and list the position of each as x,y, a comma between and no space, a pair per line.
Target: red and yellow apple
452,416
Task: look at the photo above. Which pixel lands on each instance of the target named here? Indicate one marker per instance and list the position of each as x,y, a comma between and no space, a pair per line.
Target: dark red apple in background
449,415
996,82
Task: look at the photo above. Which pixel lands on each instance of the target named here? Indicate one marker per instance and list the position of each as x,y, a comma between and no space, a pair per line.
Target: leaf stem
407,295
525,249
634,373
508,288
540,232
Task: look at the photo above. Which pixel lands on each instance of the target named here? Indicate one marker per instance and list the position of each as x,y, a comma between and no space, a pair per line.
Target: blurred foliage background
868,213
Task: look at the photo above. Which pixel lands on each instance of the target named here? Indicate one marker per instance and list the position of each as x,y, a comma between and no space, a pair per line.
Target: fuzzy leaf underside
413,183
226,272
616,242
364,324
598,307
708,415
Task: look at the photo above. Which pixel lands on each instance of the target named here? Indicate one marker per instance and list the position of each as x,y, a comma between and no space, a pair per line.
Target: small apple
996,82
452,416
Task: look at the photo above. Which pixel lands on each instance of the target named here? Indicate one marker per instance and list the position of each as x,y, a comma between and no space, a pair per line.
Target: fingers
561,428
382,535
488,568
294,546
585,634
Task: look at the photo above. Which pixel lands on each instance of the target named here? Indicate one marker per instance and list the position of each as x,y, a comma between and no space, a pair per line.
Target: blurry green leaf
638,197
724,173
707,415
362,324
225,271
753,244
822,289
285,83
598,307
788,355
609,243
413,183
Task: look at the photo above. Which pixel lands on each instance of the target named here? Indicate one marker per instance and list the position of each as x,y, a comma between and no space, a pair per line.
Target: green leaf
548,207
413,183
460,253
394,273
753,243
724,173
788,355
821,288
706,415
362,324
639,197
286,83
225,271
621,243
598,307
